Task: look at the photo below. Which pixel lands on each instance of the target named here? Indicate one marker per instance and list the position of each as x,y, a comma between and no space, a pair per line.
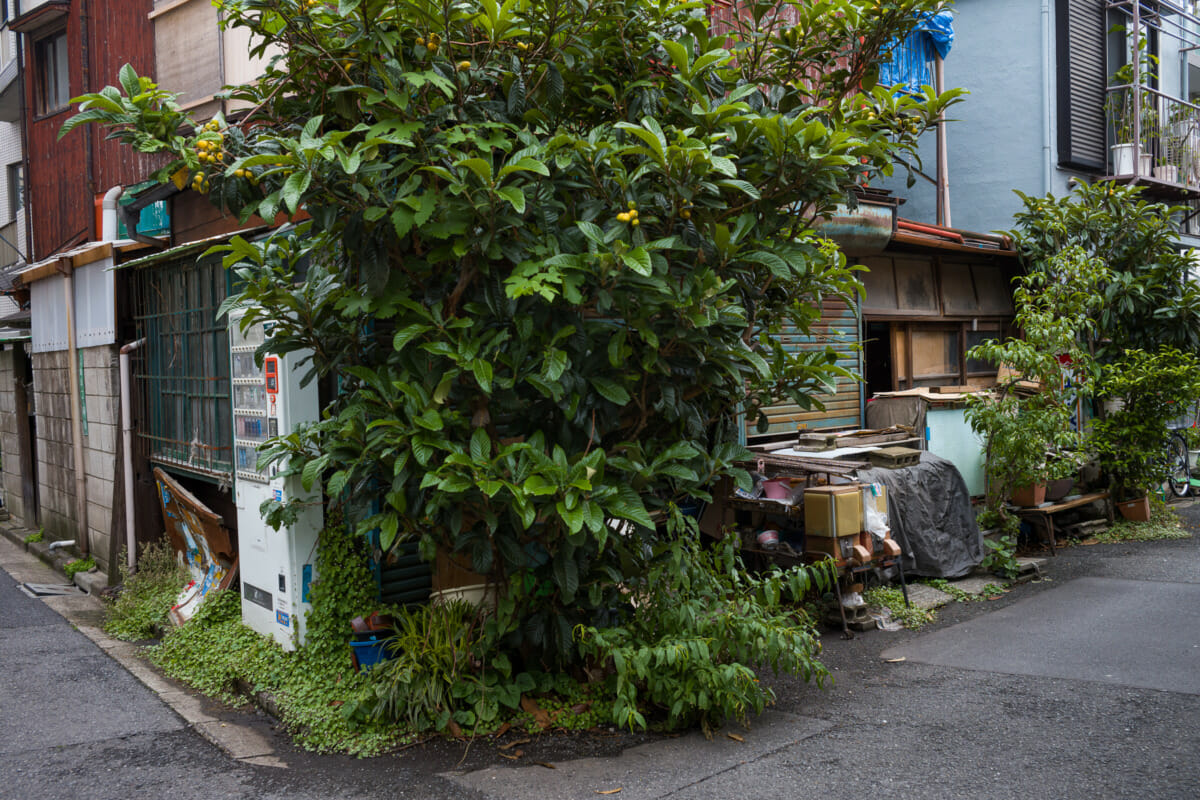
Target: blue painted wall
996,142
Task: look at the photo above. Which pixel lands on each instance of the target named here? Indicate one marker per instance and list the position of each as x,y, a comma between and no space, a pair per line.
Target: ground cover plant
550,247
72,568
1164,524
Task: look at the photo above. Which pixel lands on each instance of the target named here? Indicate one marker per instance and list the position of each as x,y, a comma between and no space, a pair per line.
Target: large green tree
1148,299
550,245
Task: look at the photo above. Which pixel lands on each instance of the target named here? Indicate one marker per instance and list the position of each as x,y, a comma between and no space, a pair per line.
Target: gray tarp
929,512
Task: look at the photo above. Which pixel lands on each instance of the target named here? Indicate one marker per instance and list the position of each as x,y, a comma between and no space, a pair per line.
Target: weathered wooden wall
66,175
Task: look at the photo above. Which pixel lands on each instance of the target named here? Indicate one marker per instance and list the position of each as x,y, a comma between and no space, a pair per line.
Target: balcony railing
1153,136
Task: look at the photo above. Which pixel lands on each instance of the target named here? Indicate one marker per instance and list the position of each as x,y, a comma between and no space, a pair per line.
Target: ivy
219,656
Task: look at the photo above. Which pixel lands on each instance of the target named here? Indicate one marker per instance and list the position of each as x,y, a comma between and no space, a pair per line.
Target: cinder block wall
10,477
102,452
101,447
56,474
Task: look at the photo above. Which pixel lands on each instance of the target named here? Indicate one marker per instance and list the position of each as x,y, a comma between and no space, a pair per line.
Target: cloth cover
929,512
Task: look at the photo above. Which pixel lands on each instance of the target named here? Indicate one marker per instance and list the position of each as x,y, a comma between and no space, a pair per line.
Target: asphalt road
1084,685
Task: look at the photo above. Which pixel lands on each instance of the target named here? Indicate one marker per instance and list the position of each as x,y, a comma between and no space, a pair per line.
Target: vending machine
276,566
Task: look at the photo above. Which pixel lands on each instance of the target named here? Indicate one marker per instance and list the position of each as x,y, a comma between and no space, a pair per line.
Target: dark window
1082,78
16,189
934,354
52,87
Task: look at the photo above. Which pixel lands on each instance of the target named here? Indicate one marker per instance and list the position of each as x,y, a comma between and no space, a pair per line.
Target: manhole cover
36,590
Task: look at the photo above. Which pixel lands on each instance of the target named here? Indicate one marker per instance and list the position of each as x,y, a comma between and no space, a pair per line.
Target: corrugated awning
198,246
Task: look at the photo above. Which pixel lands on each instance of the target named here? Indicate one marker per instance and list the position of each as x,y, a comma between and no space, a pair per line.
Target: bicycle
1179,475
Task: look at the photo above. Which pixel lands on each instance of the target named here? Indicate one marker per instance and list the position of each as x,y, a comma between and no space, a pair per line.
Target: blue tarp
909,67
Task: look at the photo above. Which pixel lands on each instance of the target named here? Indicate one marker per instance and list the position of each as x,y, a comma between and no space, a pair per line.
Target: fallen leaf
503,729
579,708
895,660
1090,541
455,731
514,743
530,706
608,791
544,764
735,737
510,758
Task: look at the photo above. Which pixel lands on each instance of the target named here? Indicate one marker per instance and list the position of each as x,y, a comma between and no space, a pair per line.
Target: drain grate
36,590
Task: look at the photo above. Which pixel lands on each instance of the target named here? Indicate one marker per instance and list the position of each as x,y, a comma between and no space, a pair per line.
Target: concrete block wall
56,474
55,455
102,450
10,465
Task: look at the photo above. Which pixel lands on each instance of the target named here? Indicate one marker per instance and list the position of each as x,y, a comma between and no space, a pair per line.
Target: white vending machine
276,566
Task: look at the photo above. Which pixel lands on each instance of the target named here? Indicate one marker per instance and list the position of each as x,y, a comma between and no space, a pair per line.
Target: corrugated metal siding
95,310
49,316
839,327
95,306
1081,81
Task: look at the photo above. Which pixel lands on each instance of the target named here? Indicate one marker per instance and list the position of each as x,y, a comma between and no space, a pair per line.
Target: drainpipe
1047,89
65,267
943,157
108,214
127,448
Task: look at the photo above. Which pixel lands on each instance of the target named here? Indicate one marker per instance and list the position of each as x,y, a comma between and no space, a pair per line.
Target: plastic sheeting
909,67
929,512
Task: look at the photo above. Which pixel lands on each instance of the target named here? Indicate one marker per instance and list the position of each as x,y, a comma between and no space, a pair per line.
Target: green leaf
481,445
481,168
610,390
513,195
294,188
555,363
638,260
431,420
592,231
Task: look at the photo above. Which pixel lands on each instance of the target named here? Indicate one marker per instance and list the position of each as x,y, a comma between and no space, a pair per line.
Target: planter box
1029,496
1135,510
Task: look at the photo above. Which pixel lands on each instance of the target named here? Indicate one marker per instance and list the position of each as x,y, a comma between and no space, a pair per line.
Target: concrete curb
85,613
91,582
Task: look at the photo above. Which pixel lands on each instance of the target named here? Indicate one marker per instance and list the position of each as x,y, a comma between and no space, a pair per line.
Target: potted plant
1028,435
1130,111
1131,441
1062,470
1015,449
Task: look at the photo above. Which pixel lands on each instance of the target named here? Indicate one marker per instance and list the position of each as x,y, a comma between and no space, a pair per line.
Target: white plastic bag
874,518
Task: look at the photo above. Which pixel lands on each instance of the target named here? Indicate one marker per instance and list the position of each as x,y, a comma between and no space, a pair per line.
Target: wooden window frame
46,78
961,328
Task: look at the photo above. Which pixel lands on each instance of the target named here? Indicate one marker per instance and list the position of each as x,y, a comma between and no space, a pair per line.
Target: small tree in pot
1030,438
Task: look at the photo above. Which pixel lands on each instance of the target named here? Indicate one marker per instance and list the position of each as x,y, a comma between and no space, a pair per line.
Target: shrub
141,608
694,631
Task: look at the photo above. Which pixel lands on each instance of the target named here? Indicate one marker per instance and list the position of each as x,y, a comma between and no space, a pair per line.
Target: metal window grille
182,372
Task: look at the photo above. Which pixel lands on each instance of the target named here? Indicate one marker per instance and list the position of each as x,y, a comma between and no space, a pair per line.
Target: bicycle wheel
1179,478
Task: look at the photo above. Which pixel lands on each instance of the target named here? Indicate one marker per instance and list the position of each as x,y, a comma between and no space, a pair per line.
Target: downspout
108,214
1047,89
127,448
65,267
943,156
